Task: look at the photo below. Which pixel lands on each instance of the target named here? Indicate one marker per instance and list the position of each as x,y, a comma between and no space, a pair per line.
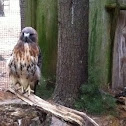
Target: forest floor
113,120
13,109
117,117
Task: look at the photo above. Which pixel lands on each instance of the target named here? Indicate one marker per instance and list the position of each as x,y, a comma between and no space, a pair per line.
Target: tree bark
22,12
119,54
1,8
72,50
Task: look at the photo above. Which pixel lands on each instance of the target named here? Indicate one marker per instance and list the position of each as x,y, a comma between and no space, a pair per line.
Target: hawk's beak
26,36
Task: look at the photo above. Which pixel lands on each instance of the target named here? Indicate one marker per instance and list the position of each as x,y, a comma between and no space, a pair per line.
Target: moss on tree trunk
100,43
42,15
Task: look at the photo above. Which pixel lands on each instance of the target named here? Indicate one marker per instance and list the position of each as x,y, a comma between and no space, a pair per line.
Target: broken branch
67,114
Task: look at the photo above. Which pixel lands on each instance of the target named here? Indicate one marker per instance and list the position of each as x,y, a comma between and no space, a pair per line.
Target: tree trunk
1,8
22,12
72,50
119,54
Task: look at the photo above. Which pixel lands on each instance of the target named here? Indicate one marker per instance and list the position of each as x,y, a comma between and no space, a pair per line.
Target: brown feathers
23,64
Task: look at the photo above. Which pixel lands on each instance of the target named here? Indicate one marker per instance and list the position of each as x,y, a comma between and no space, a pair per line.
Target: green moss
96,103
93,40
46,25
92,99
44,90
42,15
100,42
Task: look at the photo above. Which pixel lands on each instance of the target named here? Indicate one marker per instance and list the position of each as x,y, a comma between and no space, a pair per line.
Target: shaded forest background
43,16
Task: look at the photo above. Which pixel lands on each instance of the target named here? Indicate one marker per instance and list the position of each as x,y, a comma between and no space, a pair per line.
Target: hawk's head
29,35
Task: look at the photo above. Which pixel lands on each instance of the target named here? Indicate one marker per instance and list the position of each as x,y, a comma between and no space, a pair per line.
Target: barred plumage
25,62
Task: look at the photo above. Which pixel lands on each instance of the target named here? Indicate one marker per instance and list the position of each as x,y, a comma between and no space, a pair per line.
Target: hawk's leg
29,90
22,89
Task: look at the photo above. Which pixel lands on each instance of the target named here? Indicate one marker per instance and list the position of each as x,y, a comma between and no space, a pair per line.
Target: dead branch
67,114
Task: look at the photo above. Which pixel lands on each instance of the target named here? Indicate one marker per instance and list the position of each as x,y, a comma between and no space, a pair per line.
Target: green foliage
44,90
93,100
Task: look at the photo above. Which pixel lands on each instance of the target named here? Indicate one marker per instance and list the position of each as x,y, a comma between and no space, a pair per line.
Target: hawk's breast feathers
23,64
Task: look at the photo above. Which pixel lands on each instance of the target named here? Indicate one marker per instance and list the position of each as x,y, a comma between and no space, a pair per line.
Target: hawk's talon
29,90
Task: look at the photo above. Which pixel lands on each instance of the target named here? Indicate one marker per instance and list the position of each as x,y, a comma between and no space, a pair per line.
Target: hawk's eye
31,34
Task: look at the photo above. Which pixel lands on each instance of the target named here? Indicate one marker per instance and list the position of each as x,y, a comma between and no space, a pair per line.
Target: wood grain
64,113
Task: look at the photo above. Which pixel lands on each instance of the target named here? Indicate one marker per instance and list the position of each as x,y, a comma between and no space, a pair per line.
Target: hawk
25,61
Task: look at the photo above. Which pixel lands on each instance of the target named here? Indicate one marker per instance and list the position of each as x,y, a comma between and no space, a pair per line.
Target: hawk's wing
40,66
40,59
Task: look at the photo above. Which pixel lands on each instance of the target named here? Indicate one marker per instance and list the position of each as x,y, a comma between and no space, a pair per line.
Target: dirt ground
113,120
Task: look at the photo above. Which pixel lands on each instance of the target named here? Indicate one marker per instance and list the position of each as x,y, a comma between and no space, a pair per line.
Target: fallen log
69,115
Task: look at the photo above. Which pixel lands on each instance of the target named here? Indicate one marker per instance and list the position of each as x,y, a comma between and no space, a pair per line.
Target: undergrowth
45,88
93,100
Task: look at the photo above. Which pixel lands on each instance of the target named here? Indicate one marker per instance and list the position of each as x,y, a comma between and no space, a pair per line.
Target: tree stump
15,112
